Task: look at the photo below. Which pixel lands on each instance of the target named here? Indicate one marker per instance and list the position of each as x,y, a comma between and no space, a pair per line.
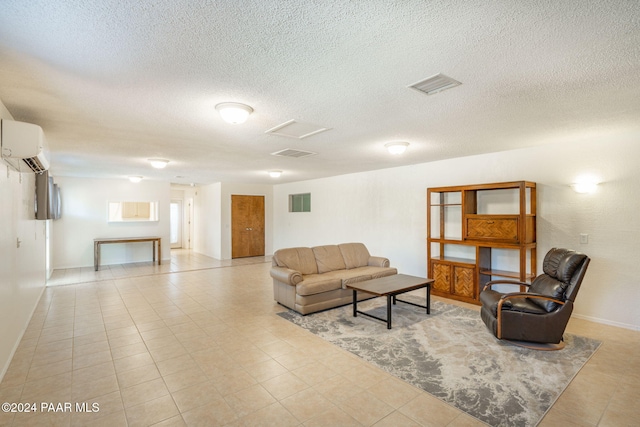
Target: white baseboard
608,322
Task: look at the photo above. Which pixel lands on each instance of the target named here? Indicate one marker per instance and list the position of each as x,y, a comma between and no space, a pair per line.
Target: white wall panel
22,267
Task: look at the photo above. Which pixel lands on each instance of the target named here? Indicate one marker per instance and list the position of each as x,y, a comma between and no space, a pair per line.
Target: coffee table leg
389,311
428,298
355,303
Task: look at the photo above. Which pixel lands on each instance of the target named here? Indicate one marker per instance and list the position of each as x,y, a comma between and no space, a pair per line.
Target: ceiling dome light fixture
135,179
233,112
159,163
397,147
275,174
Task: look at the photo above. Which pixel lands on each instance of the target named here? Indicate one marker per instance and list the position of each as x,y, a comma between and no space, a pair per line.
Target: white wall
207,220
386,209
84,218
23,268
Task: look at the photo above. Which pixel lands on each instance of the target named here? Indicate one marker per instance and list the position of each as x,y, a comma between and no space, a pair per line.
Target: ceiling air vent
290,152
294,129
435,84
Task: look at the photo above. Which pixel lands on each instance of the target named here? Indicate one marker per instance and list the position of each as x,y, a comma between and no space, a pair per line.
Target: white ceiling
113,83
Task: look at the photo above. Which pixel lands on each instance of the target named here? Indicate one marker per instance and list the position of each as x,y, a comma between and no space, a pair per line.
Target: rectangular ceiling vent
290,152
435,84
295,129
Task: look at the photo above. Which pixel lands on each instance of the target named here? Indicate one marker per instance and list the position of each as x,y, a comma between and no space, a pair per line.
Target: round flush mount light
275,174
135,179
397,147
233,112
159,163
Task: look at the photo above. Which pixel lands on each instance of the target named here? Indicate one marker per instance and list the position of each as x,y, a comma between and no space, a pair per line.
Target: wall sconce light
275,174
585,185
135,179
397,147
233,112
159,163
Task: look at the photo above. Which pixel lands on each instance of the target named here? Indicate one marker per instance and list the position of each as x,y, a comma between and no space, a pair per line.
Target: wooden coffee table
390,286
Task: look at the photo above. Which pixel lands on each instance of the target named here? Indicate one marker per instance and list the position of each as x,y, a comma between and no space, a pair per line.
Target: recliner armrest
505,282
377,261
532,296
286,275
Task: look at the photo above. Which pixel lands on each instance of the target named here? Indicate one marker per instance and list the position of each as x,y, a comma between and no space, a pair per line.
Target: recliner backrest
563,273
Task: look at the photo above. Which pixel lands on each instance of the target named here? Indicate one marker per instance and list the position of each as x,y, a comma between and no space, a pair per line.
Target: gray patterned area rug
451,355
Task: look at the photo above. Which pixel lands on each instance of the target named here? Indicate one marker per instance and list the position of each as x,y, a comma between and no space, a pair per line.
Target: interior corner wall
386,210
23,263
207,220
84,204
246,190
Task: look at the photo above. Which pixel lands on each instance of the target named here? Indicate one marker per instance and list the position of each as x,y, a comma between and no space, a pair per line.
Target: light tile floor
200,345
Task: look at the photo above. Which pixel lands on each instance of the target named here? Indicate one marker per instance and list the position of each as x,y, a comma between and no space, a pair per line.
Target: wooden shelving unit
477,233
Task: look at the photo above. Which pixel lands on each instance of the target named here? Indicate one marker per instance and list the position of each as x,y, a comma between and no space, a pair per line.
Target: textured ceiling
113,83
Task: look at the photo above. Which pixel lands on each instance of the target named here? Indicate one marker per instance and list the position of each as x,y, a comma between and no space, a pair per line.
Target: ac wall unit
23,146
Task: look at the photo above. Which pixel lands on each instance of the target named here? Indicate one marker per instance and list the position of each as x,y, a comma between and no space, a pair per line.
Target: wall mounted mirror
133,211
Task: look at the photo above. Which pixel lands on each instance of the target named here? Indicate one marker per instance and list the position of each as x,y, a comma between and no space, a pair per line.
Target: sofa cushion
318,283
355,254
299,259
328,258
361,274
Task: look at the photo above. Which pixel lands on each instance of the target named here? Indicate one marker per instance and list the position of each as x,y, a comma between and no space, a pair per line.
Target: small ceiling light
397,147
233,112
135,179
275,174
159,163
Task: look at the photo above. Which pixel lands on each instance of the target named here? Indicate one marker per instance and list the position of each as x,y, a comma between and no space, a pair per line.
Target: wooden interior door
247,226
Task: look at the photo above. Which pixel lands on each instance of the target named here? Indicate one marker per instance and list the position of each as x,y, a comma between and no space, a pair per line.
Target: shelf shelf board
449,241
503,245
455,260
509,274
445,204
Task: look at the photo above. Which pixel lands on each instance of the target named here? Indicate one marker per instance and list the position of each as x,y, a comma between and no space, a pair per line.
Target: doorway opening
175,215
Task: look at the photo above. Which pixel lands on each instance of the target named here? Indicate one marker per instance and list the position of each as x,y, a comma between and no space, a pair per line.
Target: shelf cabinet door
464,282
442,276
454,279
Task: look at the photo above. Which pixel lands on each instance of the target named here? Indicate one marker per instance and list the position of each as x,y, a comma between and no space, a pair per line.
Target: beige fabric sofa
313,279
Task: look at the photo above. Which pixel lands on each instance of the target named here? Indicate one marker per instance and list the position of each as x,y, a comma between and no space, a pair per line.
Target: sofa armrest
286,275
378,261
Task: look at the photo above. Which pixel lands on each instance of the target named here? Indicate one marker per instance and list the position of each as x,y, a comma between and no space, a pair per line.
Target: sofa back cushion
354,254
328,258
299,259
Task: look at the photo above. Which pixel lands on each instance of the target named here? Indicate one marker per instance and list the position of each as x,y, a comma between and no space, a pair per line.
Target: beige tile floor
202,347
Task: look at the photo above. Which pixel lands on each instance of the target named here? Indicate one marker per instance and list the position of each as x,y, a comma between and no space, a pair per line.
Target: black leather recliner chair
541,314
